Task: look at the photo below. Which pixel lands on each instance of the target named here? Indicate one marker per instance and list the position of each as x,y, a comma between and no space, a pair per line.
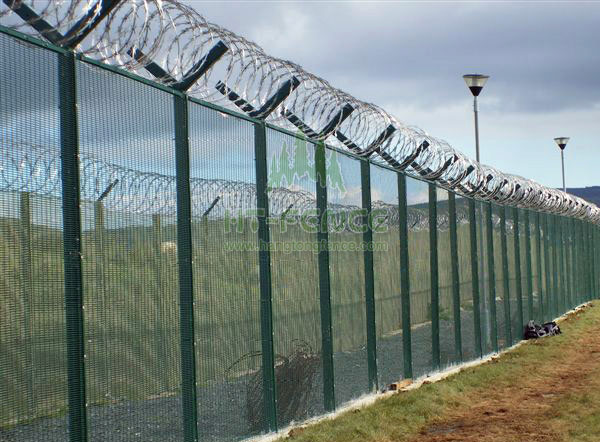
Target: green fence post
570,263
505,277
184,258
324,281
492,277
475,278
433,266
528,266
538,246
579,263
588,260
455,276
365,174
558,270
518,275
404,277
596,261
588,228
592,261
73,279
26,280
553,268
575,262
264,260
559,281
563,284
584,262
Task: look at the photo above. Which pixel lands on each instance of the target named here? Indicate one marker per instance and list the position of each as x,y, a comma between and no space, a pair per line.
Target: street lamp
562,143
475,83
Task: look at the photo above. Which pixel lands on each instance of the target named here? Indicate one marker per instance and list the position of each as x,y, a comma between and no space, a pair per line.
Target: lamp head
475,82
562,142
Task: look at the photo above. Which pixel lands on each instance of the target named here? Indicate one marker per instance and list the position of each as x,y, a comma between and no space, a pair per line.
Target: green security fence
176,271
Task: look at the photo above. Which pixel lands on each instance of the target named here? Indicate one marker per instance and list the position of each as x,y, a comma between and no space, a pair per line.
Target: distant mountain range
591,194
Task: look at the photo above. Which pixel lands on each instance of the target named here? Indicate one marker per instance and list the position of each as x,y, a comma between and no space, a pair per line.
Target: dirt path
532,408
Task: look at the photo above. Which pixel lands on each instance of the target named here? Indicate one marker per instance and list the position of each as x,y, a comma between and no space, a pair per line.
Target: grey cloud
542,56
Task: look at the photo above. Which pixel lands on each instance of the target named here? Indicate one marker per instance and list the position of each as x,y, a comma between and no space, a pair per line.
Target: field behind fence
139,297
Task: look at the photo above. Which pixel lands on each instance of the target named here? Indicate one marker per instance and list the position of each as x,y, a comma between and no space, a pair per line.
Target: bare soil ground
532,407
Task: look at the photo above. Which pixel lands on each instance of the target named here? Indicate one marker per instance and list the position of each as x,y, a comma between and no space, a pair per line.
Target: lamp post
475,83
562,143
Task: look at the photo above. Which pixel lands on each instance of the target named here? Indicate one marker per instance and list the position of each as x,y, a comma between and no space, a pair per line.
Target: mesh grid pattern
535,265
347,284
295,282
386,263
132,261
544,264
484,277
130,300
417,201
446,303
465,276
501,293
225,271
512,272
33,362
524,278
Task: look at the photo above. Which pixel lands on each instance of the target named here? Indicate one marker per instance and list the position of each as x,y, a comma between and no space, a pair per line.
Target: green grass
575,415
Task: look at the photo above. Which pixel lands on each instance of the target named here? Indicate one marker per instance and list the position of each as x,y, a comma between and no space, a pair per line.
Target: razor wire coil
180,42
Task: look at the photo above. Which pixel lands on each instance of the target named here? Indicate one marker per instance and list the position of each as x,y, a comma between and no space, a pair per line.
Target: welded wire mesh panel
295,278
570,277
33,365
465,276
499,273
484,276
346,266
225,271
446,312
549,292
524,278
535,266
543,233
565,267
387,264
129,258
512,271
417,200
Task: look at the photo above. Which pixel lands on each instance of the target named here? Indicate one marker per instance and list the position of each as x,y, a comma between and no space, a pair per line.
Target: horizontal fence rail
176,271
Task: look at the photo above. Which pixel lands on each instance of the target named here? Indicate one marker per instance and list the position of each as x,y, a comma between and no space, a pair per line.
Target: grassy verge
548,389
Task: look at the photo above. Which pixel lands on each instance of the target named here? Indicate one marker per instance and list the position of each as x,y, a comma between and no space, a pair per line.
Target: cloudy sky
409,57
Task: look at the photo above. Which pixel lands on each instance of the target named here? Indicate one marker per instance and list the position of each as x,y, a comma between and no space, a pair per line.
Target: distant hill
591,194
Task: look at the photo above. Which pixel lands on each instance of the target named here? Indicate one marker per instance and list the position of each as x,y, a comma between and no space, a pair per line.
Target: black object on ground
534,331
